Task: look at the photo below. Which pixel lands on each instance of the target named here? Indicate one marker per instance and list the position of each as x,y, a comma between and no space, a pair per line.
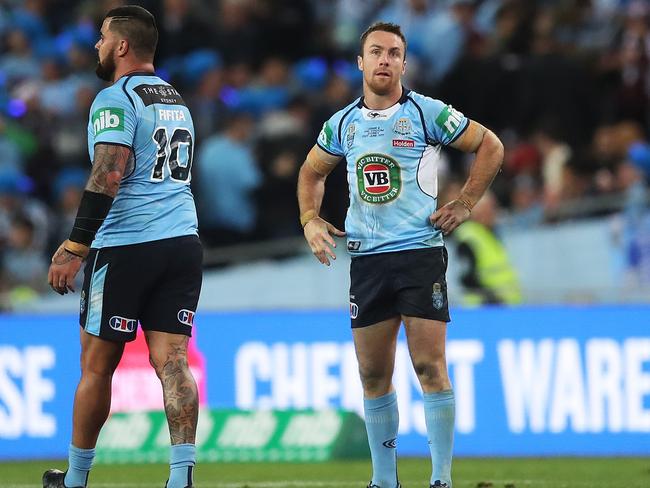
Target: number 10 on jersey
169,151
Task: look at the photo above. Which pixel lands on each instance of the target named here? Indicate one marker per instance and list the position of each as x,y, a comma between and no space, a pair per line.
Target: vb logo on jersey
109,118
378,178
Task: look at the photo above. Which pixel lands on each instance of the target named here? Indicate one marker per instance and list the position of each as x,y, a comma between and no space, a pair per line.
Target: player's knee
431,373
166,362
98,367
374,380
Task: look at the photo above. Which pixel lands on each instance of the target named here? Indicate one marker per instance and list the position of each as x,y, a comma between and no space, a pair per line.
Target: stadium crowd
564,83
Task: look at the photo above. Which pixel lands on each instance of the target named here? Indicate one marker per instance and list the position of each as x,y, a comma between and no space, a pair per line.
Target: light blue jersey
392,161
143,112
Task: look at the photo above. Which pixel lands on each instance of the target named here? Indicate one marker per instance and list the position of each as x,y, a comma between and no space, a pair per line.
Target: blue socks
382,422
79,464
181,464
439,413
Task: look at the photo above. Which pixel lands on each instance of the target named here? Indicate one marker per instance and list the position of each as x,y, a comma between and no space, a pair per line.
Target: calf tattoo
180,394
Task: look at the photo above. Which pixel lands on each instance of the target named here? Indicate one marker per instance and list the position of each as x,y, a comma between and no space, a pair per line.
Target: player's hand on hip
63,270
318,234
450,216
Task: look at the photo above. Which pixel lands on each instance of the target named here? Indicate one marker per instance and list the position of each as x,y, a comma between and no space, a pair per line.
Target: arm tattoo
109,164
180,394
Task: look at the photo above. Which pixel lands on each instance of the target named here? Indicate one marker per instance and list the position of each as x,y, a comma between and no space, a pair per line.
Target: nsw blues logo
437,296
186,317
122,324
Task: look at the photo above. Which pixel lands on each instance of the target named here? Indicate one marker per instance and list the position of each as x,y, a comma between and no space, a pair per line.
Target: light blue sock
382,422
439,413
79,464
181,465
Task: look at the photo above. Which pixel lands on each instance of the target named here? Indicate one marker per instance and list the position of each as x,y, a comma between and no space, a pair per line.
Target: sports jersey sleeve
444,123
328,139
112,119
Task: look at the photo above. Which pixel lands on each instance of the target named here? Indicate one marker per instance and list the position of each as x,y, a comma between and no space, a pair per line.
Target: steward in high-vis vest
487,275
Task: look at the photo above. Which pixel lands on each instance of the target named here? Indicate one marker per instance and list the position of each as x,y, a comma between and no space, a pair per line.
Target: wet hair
384,27
138,26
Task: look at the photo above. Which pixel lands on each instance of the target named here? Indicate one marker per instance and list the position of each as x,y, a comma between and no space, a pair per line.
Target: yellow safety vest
495,272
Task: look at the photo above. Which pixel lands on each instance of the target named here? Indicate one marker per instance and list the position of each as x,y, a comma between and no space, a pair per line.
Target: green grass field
414,473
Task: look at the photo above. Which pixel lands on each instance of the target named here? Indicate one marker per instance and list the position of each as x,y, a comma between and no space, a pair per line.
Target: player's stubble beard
105,70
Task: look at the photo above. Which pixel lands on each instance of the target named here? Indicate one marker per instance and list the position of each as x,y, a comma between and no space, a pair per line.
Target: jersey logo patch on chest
379,178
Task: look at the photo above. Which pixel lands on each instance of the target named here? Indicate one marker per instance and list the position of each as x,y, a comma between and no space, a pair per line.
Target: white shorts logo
354,310
186,317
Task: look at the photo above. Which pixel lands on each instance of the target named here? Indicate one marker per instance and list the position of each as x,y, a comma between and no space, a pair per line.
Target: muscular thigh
375,347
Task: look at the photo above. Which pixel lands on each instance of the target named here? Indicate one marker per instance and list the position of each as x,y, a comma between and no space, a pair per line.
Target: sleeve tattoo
109,164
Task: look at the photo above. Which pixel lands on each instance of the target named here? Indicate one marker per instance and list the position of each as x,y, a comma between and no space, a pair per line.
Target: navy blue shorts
154,283
391,284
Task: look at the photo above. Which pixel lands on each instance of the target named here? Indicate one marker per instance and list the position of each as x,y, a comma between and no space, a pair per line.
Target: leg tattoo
180,395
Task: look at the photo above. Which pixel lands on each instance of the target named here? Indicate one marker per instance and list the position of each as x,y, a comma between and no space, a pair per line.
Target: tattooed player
136,230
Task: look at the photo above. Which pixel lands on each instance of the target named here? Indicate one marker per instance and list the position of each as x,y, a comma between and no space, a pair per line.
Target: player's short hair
138,26
384,27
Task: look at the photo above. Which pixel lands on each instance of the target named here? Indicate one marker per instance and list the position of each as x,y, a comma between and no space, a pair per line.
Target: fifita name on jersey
171,114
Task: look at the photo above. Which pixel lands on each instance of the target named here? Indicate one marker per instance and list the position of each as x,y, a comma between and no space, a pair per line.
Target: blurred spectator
23,270
487,275
227,176
554,165
181,28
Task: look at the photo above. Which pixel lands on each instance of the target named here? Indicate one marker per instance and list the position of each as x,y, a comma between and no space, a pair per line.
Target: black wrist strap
93,209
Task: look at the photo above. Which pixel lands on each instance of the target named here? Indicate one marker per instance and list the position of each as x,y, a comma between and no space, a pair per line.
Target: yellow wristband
307,216
76,248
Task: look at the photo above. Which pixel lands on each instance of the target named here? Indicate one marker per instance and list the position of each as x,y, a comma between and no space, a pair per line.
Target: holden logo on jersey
403,143
402,126
186,317
109,118
378,178
121,324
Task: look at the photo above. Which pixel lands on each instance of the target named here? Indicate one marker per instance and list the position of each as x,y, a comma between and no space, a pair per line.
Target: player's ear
123,47
404,67
360,63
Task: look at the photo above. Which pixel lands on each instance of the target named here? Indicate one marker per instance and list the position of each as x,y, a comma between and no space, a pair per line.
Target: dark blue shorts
391,284
154,283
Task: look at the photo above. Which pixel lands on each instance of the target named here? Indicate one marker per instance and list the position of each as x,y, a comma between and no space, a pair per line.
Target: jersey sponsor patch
325,136
449,120
108,118
165,94
379,178
122,324
403,143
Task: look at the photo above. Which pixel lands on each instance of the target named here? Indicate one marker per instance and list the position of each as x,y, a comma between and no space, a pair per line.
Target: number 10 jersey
146,114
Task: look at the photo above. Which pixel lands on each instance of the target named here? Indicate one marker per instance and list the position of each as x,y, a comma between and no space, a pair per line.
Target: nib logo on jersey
378,178
108,118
